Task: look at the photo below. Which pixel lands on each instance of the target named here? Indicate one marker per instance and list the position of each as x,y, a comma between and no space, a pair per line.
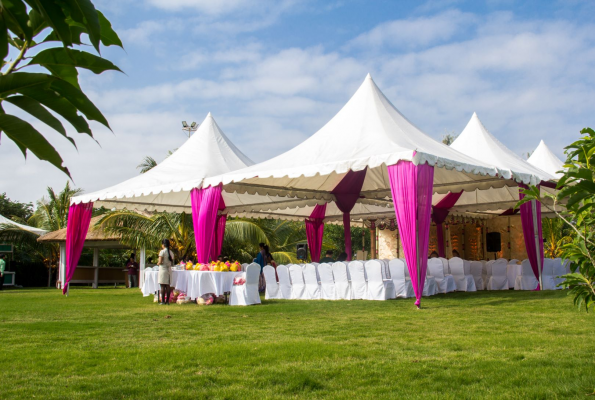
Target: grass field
113,343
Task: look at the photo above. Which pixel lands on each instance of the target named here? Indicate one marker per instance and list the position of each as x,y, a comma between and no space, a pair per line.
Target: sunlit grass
113,343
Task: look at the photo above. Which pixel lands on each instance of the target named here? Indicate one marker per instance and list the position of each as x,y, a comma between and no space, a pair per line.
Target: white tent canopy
543,158
36,231
368,132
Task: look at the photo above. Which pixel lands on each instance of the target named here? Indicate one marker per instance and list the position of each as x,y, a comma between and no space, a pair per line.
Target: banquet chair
476,271
512,271
444,283
298,286
513,261
247,293
272,286
341,277
378,287
498,279
430,284
284,282
464,282
402,284
445,265
526,280
547,275
311,280
359,286
486,273
327,282
559,270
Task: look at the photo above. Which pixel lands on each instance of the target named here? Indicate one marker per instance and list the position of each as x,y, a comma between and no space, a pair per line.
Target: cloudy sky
272,72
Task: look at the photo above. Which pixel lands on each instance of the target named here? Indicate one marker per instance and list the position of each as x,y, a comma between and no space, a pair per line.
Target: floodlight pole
189,129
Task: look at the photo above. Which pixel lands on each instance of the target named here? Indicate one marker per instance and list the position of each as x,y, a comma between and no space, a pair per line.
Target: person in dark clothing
328,258
342,257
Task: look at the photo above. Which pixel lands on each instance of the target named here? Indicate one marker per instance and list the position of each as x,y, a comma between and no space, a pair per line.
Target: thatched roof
95,234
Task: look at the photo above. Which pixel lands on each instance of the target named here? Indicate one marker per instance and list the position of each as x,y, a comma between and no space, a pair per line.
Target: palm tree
51,214
147,164
556,234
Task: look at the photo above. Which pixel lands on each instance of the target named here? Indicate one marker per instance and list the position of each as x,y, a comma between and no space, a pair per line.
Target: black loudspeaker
493,242
301,251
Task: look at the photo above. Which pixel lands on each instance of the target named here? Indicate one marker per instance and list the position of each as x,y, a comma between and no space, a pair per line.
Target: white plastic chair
342,285
402,284
272,286
547,275
298,286
311,280
444,283
378,287
246,294
476,269
284,282
359,286
327,282
464,282
498,280
526,280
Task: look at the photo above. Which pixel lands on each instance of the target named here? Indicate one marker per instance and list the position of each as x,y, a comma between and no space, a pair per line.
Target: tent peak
369,76
209,115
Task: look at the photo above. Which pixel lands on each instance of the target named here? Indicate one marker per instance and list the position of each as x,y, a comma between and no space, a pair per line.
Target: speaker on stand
493,242
301,251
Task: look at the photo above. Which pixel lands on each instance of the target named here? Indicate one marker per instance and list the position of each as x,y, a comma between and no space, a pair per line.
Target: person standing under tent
342,257
166,260
261,259
328,257
434,254
132,266
455,253
2,268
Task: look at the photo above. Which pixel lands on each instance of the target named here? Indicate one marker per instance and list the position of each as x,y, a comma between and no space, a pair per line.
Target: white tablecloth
193,283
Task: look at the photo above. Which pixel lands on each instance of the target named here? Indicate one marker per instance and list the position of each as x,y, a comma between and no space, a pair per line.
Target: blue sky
273,72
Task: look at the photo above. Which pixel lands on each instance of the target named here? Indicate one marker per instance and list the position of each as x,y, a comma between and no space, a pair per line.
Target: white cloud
415,32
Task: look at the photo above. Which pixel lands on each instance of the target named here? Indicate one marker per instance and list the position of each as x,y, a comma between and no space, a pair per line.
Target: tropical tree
577,193
51,214
556,234
147,164
47,35
449,137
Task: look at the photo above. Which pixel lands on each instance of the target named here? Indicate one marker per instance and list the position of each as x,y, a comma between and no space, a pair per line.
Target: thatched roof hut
96,237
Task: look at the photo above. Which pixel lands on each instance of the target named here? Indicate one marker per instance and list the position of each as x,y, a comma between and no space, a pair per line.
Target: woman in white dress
166,260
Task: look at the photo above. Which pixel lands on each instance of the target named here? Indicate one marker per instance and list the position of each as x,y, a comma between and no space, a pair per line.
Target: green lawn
113,343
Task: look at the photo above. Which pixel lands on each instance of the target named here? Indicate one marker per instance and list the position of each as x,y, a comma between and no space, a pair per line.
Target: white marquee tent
36,231
543,158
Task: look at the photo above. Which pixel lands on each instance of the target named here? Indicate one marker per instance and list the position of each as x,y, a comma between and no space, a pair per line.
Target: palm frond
147,164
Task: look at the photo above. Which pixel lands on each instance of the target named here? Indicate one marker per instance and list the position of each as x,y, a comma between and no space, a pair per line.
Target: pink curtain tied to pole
77,226
439,214
217,242
205,205
346,194
411,187
315,231
529,233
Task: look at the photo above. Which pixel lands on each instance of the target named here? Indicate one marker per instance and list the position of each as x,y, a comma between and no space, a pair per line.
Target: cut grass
113,343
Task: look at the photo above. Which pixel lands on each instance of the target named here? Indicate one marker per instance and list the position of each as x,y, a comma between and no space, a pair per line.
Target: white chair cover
512,271
311,280
342,285
298,286
547,275
487,271
444,283
498,280
513,261
445,265
327,282
430,286
246,294
378,287
359,286
402,284
284,282
559,271
272,286
476,269
527,279
464,282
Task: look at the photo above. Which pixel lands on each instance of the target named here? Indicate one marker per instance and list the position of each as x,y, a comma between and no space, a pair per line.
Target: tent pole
537,244
143,258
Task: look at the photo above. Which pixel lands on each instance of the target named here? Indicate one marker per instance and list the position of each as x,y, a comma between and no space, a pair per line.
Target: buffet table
193,283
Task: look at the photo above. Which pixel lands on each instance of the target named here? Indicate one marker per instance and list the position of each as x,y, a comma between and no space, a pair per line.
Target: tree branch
18,59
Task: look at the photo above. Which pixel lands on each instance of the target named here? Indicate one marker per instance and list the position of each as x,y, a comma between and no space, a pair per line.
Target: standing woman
166,260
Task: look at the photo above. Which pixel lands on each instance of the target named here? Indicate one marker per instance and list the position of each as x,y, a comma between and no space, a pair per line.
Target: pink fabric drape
77,226
346,194
529,233
205,205
217,242
315,231
439,214
411,187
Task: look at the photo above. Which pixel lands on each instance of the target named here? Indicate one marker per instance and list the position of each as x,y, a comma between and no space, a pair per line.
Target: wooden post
96,266
373,239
